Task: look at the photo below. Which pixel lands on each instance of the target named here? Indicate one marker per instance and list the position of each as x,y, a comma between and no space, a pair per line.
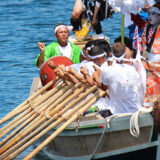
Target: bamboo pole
60,129
18,147
10,115
43,98
54,124
26,114
30,126
122,29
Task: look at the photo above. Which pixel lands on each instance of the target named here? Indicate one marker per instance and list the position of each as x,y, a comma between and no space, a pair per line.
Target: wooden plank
36,84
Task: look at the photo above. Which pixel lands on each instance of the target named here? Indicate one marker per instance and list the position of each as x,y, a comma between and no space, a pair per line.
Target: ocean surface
22,24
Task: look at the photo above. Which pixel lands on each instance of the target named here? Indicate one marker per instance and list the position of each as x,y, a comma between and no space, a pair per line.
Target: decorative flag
137,41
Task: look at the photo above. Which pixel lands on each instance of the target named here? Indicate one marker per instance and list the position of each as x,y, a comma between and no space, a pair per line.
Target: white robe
126,89
102,103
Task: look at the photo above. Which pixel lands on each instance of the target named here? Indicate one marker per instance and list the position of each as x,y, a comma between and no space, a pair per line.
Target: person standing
95,12
61,47
151,43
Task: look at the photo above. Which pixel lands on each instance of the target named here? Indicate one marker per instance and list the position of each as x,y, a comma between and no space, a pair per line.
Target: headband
68,27
94,57
89,48
155,9
119,59
82,53
110,58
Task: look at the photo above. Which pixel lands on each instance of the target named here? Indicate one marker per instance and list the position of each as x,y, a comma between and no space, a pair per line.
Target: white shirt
125,88
66,51
104,65
87,64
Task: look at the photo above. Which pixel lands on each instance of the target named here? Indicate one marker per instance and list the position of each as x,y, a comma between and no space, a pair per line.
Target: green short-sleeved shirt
53,50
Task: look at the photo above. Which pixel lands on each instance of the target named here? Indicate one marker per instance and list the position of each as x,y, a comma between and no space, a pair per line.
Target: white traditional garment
125,88
102,103
104,65
77,66
66,51
87,64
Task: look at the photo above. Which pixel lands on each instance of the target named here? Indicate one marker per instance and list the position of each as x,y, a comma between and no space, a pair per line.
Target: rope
134,127
94,151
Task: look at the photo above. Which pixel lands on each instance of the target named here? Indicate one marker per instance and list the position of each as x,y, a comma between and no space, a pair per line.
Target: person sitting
61,47
123,81
151,43
94,12
128,43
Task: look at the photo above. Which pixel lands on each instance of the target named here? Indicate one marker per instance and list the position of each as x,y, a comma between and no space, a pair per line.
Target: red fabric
137,20
151,31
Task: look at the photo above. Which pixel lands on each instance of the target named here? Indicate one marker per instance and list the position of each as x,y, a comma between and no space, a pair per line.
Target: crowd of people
133,80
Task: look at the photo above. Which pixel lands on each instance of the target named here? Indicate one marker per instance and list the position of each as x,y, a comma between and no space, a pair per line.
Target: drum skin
47,74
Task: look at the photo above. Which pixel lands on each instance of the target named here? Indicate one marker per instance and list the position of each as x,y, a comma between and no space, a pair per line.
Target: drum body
47,74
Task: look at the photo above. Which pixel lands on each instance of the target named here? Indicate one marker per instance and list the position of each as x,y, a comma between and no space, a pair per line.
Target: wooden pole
43,98
18,147
12,113
60,129
25,115
54,124
31,127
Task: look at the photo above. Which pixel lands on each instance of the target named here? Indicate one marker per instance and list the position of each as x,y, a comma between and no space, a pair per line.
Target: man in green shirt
61,47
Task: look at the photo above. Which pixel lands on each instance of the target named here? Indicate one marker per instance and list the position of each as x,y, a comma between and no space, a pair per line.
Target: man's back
125,88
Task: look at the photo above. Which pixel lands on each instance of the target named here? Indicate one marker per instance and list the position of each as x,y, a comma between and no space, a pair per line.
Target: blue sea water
22,24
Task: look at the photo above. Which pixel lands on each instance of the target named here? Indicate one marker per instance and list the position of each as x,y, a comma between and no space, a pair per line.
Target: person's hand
94,21
80,77
62,67
71,77
59,72
52,65
83,70
98,70
41,46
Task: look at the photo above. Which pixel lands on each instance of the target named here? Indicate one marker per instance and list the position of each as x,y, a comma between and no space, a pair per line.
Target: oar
61,98
18,147
32,118
10,115
27,107
31,126
61,128
58,121
26,114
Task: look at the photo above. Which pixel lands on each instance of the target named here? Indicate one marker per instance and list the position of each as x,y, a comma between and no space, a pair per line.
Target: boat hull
117,139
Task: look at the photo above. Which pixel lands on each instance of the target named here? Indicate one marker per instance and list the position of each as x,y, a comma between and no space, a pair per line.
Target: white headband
94,57
82,53
110,58
119,59
155,9
68,27
89,48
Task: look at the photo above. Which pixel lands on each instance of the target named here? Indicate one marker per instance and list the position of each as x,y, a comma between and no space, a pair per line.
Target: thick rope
134,126
94,151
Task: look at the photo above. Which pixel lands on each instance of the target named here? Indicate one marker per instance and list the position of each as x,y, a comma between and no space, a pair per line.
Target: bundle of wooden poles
41,113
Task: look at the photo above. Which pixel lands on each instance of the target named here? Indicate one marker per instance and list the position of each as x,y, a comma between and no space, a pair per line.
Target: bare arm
87,76
41,58
80,77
